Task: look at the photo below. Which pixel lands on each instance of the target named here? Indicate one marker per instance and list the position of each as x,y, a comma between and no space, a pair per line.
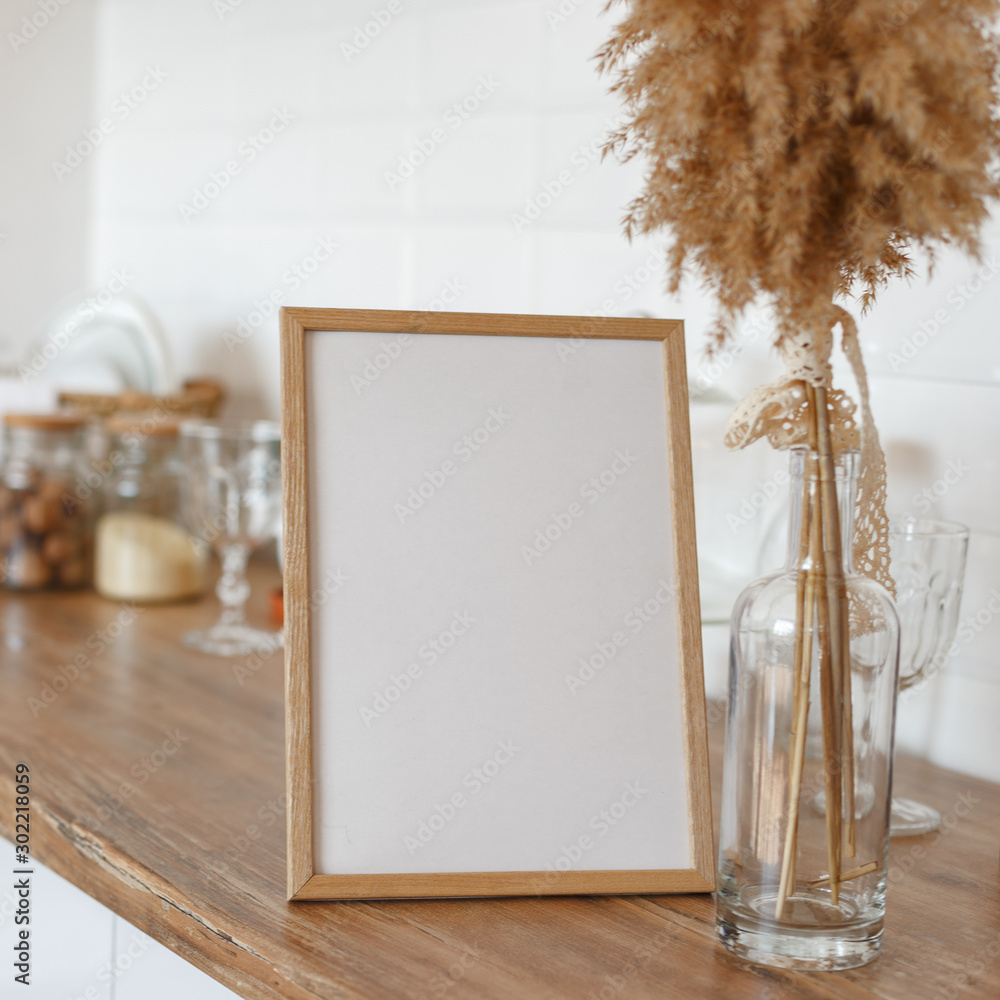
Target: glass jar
46,507
807,778
143,552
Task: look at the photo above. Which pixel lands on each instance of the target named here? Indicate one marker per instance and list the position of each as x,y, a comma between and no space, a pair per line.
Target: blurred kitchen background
184,164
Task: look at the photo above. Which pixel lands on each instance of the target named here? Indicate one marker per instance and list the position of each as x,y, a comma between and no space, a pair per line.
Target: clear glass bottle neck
808,484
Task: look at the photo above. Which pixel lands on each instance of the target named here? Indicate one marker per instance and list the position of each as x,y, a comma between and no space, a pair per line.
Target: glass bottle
798,739
143,551
46,506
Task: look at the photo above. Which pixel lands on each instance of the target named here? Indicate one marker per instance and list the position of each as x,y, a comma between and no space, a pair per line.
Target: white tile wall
47,89
145,970
450,226
82,951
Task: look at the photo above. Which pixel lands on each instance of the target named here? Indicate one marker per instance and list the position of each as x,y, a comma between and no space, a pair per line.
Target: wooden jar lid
46,421
148,424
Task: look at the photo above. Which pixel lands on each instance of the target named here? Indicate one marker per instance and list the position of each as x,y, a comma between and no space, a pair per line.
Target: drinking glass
232,502
928,565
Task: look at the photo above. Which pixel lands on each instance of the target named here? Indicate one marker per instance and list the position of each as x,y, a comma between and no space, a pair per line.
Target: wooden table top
157,781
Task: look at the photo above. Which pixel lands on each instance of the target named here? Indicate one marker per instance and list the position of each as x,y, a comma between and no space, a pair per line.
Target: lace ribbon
778,411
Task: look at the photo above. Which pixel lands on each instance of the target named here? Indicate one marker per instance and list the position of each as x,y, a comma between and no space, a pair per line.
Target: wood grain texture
194,851
688,608
496,324
295,535
304,882
548,883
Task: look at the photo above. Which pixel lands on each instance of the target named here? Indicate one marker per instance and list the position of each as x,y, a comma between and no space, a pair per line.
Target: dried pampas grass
800,149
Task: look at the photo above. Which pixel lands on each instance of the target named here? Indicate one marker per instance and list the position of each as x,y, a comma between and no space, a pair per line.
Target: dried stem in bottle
828,668
821,607
805,602
865,869
839,633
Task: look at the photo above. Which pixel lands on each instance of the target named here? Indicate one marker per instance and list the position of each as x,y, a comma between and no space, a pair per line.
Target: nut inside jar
45,527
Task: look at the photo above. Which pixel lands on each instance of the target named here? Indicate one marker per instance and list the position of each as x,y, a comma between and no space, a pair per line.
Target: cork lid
152,423
46,421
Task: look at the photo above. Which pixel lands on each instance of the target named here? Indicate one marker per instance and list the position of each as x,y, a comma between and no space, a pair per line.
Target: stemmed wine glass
928,565
232,502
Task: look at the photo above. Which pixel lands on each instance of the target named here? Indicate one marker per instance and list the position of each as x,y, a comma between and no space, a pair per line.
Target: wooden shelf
157,782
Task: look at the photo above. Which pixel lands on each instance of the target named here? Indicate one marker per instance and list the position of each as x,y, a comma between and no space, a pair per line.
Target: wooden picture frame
323,427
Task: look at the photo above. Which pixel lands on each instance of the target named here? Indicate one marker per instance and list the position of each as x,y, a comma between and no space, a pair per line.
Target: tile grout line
114,947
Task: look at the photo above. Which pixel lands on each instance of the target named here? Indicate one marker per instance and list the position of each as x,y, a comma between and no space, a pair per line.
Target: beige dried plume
800,149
